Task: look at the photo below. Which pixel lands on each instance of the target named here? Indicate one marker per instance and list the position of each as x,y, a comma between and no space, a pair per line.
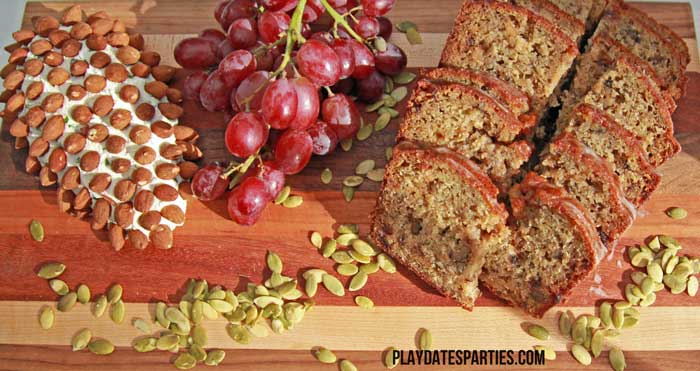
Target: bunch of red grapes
285,88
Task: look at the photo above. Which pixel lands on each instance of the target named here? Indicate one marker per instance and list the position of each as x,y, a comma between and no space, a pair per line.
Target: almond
167,171
65,199
117,39
100,214
136,40
23,36
34,117
143,200
98,133
57,76
52,102
101,26
13,80
100,60
33,67
103,105
90,161
141,70
47,178
185,133
165,192
150,58
80,31
162,129
96,42
163,73
173,213
171,151
120,165
78,68
74,143
120,118
8,69
137,239
58,38
39,147
162,237
129,93
19,128
174,95
53,59
57,160
21,143
34,90
16,102
185,190
116,72
53,129
124,190
124,215
156,88
141,176
170,110
100,182
45,24
140,134
12,47
95,83
115,144
82,114
40,46
187,169
71,178
118,26
145,155
145,111
32,165
72,15
128,54
71,48
82,199
18,56
149,219
116,236
97,15
76,92
192,152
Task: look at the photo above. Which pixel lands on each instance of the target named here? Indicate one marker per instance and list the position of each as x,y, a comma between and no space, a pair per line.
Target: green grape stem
339,19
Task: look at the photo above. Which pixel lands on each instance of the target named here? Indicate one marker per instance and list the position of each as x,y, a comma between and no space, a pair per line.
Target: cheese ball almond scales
100,120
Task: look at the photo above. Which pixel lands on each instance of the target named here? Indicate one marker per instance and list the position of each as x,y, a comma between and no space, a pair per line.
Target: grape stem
339,19
293,35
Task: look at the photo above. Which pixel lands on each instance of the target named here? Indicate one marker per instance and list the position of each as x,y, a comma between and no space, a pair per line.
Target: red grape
341,114
233,107
273,178
367,27
323,137
253,85
243,33
385,27
236,67
279,104
265,59
376,7
293,151
324,37
195,52
273,5
271,25
371,89
391,61
307,104
214,93
319,63
225,48
237,9
343,86
290,5
247,201
219,10
346,56
213,35
193,85
364,60
207,183
246,133
309,15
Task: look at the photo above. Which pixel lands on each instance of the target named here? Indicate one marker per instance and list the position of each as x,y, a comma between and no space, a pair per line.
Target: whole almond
141,176
89,161
12,47
53,129
82,199
167,171
174,95
19,129
187,169
137,239
100,59
128,54
45,24
78,68
53,59
65,199
16,102
156,88
58,38
72,15
103,105
165,192
192,152
57,160
100,14
173,213
101,26
32,165
95,83
71,178
38,147
52,102
40,46
149,219
163,73
118,39
162,129
124,190
18,56
23,36
13,80
120,118
8,69
100,214
118,26
150,58
185,133
21,143
80,31
100,182
171,151
141,70
74,143
34,117
143,200
76,92
170,110
120,165
34,90
136,40
97,133
57,76
162,237
124,215
115,144
129,93
140,134
116,72
47,177
116,236
185,190
82,114
145,111
96,42
71,48
145,155
33,67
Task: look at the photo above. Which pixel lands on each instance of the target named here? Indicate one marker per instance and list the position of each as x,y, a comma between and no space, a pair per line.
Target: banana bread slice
627,94
569,164
469,121
554,246
513,44
437,214
625,26
571,26
618,146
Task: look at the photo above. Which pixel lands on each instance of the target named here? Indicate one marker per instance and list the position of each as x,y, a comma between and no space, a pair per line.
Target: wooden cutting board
212,247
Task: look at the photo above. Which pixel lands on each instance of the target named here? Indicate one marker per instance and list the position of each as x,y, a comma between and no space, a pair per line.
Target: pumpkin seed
578,331
655,272
197,352
425,340
632,312
581,354
221,306
376,175
370,268
360,258
216,293
209,312
618,318
215,357
630,322
200,288
380,44
264,301
358,281
630,296
692,286
606,314
348,228
654,244
115,293
405,25
259,330
274,262
259,290
324,355
364,132
81,339
315,272
293,202
36,230
597,343
413,36
167,342
185,361
648,300
46,317
538,332
292,295
199,336
399,93
389,101
286,287
100,306
353,181
326,176
564,324
617,359
342,257
389,361
364,167
160,314
347,269
404,77
549,353
346,144
348,193
145,344
141,325
67,301
669,241
101,347
677,213
59,286
311,285
51,270
392,112
174,315
364,302
386,263
293,312
347,238
382,122
117,312
362,247
346,365
641,259
284,193
388,152
374,106
83,293
239,333
333,285
329,248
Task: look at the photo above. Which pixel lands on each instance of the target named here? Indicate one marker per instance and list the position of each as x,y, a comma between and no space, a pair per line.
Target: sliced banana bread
569,164
469,121
437,214
627,94
618,146
580,9
571,26
554,246
625,26
512,43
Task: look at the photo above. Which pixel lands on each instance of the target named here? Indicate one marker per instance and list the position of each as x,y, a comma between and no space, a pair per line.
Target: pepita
36,230
374,106
346,239
346,365
538,332
264,301
617,359
597,343
364,132
346,144
564,324
655,272
117,312
81,339
677,213
141,325
364,167
83,293
215,357
348,193
382,122
360,258
347,269
404,77
274,262
425,340
199,336
618,317
549,353
630,322
101,347
390,361
197,352
293,202
324,355
221,306
370,268
692,286
362,247
46,317
329,248
100,306
326,176
342,257
333,285
51,270
364,302
358,281
648,300
311,285
59,286
353,181
380,44
578,331
185,361
388,152
145,344
654,244
669,241
413,36
115,293
284,193
67,301
376,175
399,93
238,333
348,228
581,354
606,314
405,25
160,314
386,263
167,342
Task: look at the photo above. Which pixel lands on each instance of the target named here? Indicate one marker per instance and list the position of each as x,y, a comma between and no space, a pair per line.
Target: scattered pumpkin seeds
374,106
537,331
46,317
83,293
329,248
326,176
316,239
677,213
141,325
606,314
347,269
362,247
342,257
405,25
346,144
364,302
399,93
197,352
284,193
67,302
549,353
364,167
167,342
364,132
581,354
100,306
333,285
617,359
36,230
382,122
370,268
597,343
81,339
292,202
59,286
425,340
239,333
376,175
389,361
101,347
274,262
51,270
692,286
348,193
386,263
215,357
413,36
346,239
380,44
115,293
117,312
346,365
353,181
185,361
404,77
358,281
324,355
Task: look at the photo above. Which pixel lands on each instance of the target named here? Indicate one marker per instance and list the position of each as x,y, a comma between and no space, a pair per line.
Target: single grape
289,68
271,25
323,137
195,52
309,15
272,177
273,5
346,56
341,114
364,60
376,7
237,66
385,27
219,10
319,63
293,151
264,58
237,9
343,86
251,91
322,36
193,85
247,201
367,27
213,35
245,134
279,104
225,48
207,183
371,89
214,93
391,61
243,33
308,104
